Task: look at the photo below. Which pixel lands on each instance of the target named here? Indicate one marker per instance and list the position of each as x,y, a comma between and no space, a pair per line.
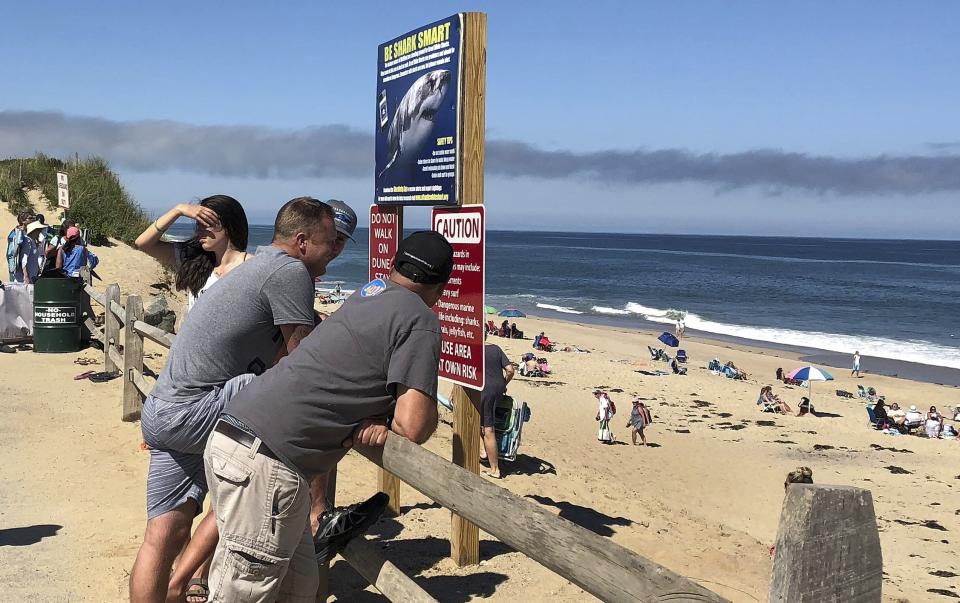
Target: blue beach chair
509,417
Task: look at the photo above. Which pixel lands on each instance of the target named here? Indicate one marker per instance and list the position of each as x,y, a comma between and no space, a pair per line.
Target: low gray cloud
336,150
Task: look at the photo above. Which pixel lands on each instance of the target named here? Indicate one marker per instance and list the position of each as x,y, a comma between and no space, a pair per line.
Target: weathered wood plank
118,310
111,330
596,564
154,334
95,331
94,295
115,358
386,577
140,382
389,484
465,536
828,546
132,360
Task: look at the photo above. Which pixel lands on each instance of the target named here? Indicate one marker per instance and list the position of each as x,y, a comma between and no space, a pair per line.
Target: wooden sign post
465,536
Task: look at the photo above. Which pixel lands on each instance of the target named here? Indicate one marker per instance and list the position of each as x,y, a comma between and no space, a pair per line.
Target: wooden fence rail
844,562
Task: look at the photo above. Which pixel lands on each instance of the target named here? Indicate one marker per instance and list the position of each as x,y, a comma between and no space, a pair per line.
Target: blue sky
842,83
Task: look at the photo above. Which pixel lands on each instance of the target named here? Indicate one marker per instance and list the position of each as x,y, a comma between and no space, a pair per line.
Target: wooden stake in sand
465,536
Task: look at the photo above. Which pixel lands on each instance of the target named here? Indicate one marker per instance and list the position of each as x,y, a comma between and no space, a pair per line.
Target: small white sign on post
63,190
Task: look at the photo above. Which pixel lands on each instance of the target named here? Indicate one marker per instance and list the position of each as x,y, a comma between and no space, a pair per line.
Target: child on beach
219,244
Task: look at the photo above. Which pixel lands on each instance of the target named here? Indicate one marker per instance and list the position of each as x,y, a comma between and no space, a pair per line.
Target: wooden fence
828,547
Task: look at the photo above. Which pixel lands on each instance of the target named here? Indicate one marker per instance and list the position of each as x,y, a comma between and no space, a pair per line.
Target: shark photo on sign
413,122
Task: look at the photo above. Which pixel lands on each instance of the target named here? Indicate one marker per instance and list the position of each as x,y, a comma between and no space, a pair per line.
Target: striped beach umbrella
810,374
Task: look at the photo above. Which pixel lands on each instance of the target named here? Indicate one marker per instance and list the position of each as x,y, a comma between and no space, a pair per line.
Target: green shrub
98,200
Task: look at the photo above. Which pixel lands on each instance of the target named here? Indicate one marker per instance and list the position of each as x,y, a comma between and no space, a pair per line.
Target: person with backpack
606,412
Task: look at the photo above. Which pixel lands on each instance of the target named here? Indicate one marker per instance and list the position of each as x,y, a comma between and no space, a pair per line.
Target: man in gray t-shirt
261,309
373,363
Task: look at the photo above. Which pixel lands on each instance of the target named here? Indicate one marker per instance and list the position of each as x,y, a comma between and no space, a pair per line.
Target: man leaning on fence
263,307
368,369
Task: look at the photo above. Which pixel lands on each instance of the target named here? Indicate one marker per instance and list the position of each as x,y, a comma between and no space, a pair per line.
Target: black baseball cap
425,257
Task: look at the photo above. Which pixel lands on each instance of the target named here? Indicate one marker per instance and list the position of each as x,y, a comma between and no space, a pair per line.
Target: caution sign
460,309
54,315
384,239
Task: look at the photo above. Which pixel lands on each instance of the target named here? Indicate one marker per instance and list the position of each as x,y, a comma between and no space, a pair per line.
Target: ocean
894,299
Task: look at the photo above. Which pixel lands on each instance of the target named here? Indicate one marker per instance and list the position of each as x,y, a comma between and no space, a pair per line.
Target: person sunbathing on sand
771,400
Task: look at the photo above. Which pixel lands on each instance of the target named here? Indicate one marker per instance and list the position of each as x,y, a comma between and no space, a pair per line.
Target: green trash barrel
56,314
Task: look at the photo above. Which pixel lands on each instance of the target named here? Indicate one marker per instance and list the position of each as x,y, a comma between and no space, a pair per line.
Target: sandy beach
704,499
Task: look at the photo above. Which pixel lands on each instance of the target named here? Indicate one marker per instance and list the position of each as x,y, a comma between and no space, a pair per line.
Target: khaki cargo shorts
266,550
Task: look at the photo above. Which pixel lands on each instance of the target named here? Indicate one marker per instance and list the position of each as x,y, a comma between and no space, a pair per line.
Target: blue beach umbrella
810,374
669,339
511,313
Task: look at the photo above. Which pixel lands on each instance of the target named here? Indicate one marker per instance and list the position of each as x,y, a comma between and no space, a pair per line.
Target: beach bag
604,434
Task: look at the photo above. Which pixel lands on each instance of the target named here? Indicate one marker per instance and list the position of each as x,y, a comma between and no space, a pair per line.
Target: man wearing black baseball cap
368,369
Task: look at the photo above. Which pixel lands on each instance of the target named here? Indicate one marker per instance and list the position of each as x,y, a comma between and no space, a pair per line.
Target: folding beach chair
682,356
509,417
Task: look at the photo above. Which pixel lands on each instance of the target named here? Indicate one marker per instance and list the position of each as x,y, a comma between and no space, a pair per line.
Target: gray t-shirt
494,383
345,371
236,328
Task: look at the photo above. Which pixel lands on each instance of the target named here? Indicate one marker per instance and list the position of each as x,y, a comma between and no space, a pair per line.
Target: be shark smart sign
418,116
460,309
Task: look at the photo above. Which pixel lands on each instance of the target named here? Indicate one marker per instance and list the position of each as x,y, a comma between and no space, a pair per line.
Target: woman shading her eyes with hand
218,245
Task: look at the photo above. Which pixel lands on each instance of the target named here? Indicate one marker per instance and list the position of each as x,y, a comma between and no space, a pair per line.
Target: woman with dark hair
218,245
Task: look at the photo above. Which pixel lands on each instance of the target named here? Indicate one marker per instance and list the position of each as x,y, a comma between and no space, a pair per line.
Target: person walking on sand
235,334
605,412
14,238
218,244
856,364
369,369
498,371
640,417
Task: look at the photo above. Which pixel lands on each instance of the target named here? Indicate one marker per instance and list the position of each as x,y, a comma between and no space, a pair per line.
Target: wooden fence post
389,484
828,547
465,536
132,359
111,327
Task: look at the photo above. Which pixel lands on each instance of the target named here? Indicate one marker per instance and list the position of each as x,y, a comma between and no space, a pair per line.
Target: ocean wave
613,311
563,309
923,352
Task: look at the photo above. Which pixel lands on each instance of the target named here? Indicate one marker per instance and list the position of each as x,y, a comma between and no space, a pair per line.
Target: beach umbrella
489,310
512,313
810,374
669,339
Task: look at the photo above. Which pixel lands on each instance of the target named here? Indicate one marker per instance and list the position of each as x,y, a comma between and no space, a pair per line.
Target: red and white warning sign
460,310
384,238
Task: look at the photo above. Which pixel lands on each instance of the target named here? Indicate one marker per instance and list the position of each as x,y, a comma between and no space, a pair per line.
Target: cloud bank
340,151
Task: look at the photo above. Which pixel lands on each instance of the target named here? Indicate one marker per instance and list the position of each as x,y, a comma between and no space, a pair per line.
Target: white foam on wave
563,309
923,352
614,311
